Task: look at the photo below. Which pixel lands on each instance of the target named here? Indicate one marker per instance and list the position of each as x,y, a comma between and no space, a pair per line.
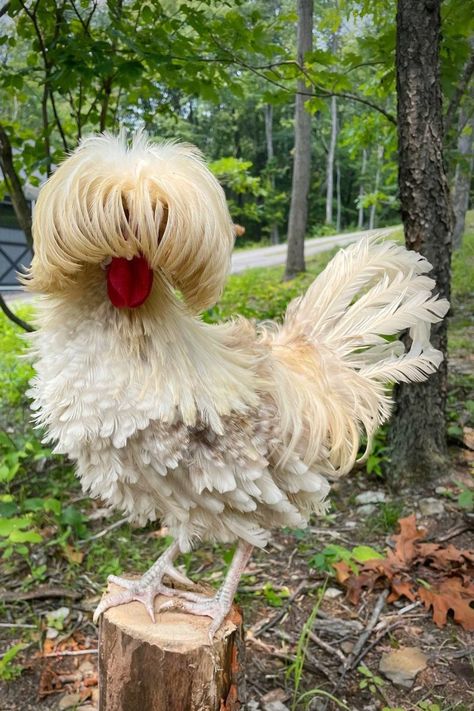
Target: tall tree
462,178
360,219
418,432
274,232
338,197
330,163
302,152
378,170
14,186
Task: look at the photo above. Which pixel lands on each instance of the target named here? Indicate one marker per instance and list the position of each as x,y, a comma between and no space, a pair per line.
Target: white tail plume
349,317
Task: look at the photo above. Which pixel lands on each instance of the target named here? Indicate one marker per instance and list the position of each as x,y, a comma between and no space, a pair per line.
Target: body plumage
222,432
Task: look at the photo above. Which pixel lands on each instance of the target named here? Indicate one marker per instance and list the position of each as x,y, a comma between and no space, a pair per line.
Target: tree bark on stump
169,665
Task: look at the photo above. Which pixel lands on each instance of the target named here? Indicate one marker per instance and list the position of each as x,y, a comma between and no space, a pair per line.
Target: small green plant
427,705
465,498
9,670
295,669
371,681
386,518
12,532
56,618
275,598
324,561
15,455
378,456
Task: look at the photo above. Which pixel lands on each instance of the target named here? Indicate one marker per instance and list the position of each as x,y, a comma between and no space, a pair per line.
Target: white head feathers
111,199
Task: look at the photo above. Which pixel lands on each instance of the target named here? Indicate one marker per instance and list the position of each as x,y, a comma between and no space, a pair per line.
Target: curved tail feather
344,349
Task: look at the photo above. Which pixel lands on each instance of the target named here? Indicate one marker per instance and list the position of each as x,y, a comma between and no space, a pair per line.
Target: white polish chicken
221,432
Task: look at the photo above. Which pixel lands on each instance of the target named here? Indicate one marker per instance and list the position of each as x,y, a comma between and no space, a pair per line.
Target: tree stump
169,665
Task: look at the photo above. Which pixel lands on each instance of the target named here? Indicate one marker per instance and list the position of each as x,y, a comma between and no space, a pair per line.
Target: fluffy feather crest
111,199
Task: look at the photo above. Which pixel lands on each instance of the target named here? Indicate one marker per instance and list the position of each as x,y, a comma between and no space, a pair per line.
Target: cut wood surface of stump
169,665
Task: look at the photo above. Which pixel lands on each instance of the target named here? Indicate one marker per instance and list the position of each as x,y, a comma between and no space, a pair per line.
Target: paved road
265,256
272,256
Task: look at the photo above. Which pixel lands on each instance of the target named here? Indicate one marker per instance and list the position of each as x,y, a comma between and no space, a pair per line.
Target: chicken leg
148,586
218,606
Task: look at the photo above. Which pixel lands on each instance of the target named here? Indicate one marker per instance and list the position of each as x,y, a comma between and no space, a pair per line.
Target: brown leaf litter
440,576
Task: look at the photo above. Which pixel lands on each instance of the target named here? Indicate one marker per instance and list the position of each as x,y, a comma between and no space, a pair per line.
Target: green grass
14,371
463,264
461,324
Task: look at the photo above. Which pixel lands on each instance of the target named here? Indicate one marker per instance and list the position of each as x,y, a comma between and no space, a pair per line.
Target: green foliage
386,518
17,523
15,372
234,174
370,681
23,460
8,669
465,499
324,560
275,598
204,72
378,455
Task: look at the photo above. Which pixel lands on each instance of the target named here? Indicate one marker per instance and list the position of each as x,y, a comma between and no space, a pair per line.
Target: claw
120,598
179,577
200,605
135,592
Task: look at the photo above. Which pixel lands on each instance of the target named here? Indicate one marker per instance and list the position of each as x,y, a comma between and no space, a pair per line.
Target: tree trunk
373,207
14,187
338,197
297,220
330,162
274,232
418,432
462,178
360,221
170,665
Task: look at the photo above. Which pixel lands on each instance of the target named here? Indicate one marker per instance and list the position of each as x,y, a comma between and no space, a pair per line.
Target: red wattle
129,282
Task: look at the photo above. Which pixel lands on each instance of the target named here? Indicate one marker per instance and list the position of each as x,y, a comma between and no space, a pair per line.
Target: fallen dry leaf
450,595
405,541
343,571
401,588
73,555
439,576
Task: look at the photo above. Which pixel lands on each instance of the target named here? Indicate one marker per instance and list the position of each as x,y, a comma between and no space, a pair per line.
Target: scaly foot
218,606
135,591
214,607
146,588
